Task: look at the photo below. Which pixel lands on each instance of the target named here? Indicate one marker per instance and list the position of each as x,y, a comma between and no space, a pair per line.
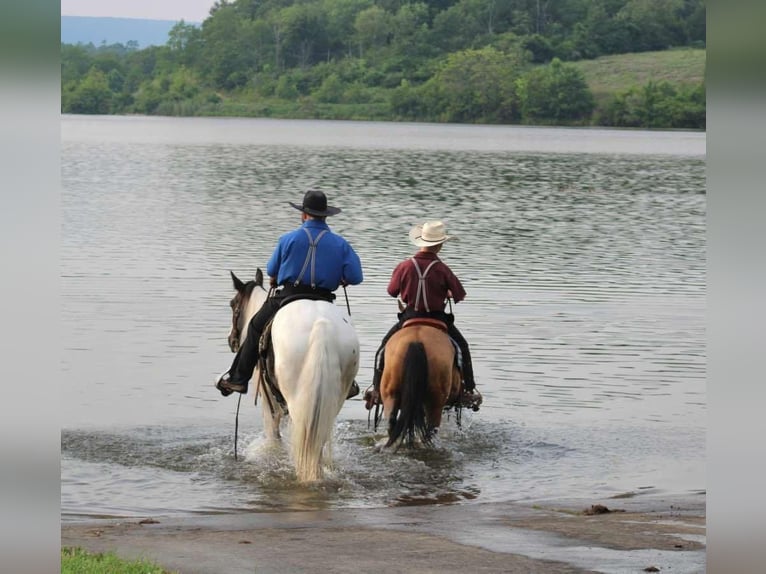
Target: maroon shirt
440,278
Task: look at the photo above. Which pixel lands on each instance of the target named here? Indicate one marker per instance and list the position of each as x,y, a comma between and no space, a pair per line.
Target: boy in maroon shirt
423,283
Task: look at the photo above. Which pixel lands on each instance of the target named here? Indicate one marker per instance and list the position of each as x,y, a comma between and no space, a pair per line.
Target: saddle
431,322
441,325
310,296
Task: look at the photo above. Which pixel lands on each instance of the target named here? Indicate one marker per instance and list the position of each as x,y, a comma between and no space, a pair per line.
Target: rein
237,313
235,322
347,305
236,426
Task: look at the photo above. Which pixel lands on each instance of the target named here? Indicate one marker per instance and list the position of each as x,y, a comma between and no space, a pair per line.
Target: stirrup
471,399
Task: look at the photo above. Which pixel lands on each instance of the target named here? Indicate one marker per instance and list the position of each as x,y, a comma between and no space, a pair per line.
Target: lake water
582,252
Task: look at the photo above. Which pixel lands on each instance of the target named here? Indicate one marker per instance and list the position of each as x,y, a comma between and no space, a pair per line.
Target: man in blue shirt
309,262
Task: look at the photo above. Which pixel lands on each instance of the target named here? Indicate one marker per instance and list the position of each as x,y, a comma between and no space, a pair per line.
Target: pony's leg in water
389,406
433,420
271,422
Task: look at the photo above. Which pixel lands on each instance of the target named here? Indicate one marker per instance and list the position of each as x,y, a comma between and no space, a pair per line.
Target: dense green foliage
78,561
489,61
657,105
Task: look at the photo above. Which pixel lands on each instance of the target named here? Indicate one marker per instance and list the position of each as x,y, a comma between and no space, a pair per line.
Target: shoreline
640,531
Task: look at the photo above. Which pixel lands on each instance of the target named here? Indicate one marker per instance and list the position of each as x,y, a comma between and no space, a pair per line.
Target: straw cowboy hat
430,233
315,203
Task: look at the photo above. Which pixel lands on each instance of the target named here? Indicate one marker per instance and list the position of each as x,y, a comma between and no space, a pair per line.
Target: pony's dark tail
409,419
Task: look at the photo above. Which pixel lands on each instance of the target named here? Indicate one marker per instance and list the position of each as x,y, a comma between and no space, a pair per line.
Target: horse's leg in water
271,421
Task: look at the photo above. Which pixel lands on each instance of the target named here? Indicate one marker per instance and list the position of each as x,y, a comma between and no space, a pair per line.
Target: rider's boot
354,390
471,398
372,395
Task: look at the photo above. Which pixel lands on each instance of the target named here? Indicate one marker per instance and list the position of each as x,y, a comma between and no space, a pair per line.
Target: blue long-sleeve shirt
336,260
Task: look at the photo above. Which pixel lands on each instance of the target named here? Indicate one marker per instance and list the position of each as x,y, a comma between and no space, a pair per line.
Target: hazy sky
189,10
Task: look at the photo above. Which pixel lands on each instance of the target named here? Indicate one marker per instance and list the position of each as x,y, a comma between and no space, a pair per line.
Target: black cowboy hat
315,203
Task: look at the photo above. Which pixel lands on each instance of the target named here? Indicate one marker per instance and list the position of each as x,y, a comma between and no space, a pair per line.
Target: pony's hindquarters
316,356
418,379
407,413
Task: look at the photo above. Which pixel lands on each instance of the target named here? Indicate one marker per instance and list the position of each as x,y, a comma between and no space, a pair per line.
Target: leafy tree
457,27
185,43
600,33
276,24
540,48
183,85
341,16
653,24
657,105
228,56
115,80
75,62
331,90
108,62
372,26
410,29
91,96
286,88
418,102
694,18
556,93
478,85
304,30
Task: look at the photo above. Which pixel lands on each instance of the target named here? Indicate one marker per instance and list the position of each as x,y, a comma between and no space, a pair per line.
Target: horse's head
246,301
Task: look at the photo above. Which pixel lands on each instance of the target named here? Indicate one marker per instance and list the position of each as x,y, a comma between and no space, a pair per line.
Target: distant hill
83,29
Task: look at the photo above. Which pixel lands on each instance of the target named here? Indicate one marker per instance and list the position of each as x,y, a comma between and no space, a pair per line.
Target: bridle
238,303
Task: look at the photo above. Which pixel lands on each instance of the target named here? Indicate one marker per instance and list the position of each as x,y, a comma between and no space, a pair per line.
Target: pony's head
246,301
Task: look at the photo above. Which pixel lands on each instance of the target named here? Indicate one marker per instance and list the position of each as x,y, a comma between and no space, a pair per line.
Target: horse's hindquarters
291,336
316,356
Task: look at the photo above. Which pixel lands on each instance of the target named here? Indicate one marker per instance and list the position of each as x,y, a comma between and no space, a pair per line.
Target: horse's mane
249,286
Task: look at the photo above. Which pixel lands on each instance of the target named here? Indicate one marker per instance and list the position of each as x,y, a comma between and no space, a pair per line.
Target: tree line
490,61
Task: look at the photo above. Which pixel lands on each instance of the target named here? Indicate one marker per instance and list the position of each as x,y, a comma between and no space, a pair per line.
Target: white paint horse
316,357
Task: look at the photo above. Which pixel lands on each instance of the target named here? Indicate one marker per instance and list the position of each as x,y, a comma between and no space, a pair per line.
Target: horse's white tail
313,412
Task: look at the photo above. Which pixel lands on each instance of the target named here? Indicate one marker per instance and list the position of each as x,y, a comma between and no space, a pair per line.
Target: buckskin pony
419,380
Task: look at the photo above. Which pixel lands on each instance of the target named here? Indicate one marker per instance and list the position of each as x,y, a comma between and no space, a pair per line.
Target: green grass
611,74
79,561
